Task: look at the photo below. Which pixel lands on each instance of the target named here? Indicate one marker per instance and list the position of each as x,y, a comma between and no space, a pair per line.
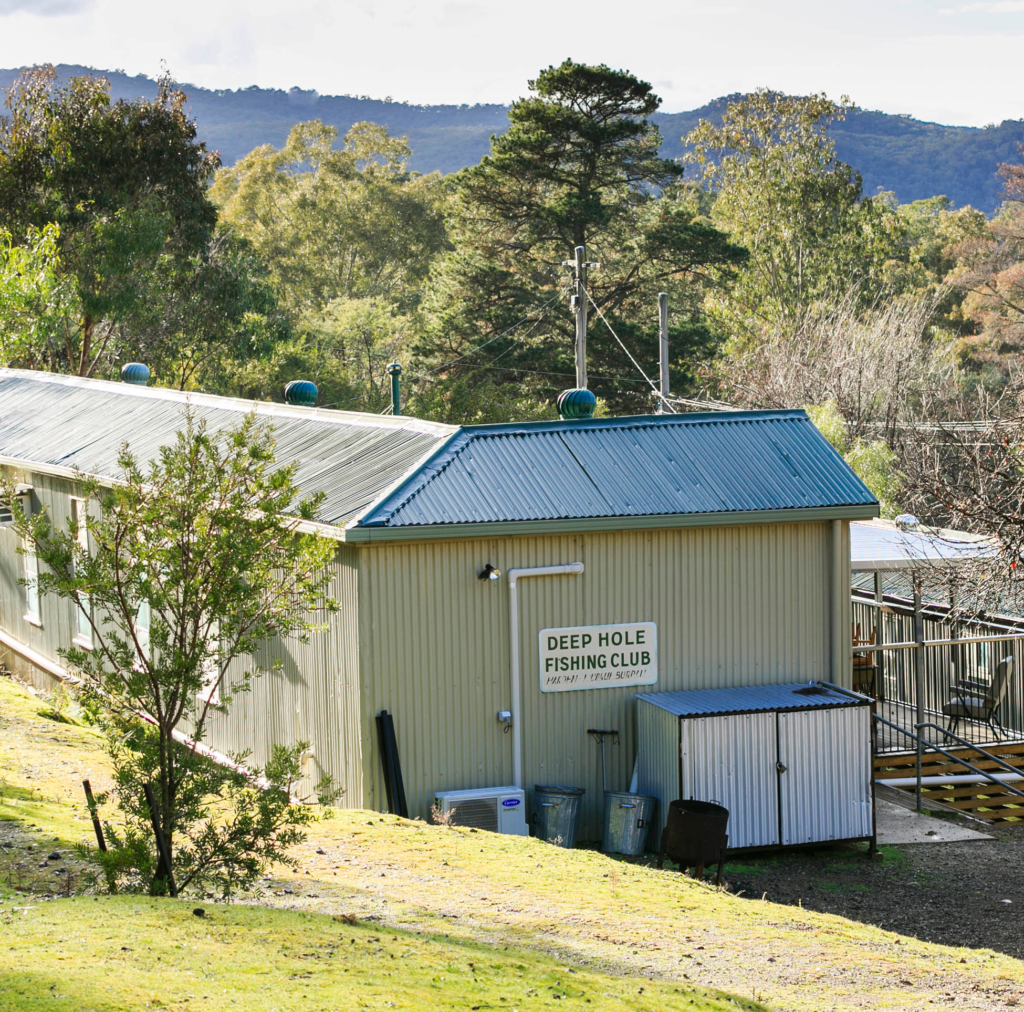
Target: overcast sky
957,63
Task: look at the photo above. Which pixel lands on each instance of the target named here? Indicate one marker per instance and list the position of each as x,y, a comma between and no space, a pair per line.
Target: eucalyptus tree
126,185
330,222
779,188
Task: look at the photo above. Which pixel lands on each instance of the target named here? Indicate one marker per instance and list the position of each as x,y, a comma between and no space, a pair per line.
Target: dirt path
630,918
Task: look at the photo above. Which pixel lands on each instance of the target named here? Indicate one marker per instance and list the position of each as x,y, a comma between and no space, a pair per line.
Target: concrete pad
896,824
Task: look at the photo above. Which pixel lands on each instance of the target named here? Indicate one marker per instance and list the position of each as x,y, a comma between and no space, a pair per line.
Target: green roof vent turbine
301,392
135,373
576,403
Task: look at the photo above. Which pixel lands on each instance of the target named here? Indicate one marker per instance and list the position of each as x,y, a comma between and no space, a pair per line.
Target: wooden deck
905,715
983,800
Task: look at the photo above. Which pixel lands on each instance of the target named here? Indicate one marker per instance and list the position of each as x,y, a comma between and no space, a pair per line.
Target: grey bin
627,818
556,814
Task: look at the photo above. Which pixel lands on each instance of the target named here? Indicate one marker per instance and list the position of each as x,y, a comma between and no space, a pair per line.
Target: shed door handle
548,804
781,767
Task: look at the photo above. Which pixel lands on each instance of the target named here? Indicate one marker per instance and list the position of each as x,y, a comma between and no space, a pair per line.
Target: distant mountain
912,158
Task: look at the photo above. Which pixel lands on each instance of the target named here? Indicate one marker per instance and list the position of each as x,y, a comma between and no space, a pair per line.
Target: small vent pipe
395,371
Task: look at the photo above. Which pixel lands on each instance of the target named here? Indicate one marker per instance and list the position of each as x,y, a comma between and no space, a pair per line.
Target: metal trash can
627,817
695,835
556,814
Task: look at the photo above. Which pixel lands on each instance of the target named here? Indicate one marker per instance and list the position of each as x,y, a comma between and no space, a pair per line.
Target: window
22,491
83,627
142,621
31,584
210,692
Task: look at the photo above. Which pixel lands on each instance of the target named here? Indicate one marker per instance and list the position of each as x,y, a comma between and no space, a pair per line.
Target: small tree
193,562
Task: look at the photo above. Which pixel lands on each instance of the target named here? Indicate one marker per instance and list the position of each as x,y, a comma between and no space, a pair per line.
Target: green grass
107,953
533,920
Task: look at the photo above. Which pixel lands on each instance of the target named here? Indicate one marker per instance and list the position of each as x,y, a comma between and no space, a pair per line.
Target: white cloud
996,7
45,8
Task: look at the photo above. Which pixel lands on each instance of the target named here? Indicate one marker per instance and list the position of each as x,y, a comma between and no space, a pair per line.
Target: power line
497,337
639,369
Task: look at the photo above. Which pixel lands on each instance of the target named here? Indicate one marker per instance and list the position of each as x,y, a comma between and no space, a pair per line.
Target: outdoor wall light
490,572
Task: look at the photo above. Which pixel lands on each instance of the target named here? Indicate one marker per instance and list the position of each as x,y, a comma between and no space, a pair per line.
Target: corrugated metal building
728,532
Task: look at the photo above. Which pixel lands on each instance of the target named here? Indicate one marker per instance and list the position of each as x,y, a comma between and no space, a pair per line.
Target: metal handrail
909,644
1009,767
949,755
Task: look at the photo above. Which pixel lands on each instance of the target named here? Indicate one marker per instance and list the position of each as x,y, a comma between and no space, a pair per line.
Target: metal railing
917,661
922,746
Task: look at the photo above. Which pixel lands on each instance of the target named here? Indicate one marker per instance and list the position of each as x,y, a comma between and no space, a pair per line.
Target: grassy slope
620,926
106,953
109,952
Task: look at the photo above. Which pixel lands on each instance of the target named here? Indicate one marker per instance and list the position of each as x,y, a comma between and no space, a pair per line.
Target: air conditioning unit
496,809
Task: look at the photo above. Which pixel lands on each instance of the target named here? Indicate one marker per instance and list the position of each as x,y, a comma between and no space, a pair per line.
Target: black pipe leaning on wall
393,783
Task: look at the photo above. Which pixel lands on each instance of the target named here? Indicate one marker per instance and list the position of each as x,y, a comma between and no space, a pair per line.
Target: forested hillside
916,160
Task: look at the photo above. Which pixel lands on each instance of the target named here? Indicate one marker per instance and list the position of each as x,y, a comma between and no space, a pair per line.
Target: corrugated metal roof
379,472
747,699
880,545
78,423
625,467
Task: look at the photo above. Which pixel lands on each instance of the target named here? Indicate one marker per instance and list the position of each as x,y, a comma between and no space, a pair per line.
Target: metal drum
556,814
695,835
627,817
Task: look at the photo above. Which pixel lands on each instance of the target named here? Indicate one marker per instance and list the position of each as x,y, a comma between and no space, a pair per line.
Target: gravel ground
962,894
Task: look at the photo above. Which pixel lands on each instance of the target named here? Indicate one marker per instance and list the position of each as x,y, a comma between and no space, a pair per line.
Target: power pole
663,333
578,303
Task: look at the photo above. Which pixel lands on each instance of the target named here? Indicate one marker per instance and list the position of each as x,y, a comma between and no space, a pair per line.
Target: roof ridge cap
329,416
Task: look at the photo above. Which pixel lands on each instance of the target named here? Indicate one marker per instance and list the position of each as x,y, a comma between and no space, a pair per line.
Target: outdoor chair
973,700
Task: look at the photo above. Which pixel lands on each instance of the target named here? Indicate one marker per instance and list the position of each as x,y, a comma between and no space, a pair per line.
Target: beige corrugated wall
733,605
313,696
59,618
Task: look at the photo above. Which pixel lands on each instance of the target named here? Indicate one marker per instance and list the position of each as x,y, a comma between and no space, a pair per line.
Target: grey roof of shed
882,544
749,699
386,477
80,424
640,466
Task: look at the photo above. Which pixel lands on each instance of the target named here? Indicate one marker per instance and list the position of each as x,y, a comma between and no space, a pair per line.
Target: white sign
598,656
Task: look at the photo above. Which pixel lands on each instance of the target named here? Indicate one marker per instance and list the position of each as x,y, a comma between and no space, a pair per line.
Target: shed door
731,760
825,789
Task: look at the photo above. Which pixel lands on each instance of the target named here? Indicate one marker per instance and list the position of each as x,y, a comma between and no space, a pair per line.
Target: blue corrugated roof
747,699
403,474
660,465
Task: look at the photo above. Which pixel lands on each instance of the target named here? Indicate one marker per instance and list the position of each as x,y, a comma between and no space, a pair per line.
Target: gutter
367,534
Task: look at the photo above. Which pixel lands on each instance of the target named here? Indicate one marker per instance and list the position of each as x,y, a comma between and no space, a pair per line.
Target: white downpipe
513,631
840,633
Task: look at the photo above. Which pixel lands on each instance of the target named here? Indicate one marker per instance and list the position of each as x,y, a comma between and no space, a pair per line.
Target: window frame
83,626
33,605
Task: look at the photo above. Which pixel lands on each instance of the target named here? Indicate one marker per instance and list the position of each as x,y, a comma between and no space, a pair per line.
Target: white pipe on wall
513,631
840,638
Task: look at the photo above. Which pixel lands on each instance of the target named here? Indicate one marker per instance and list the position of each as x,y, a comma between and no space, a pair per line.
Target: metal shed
792,762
